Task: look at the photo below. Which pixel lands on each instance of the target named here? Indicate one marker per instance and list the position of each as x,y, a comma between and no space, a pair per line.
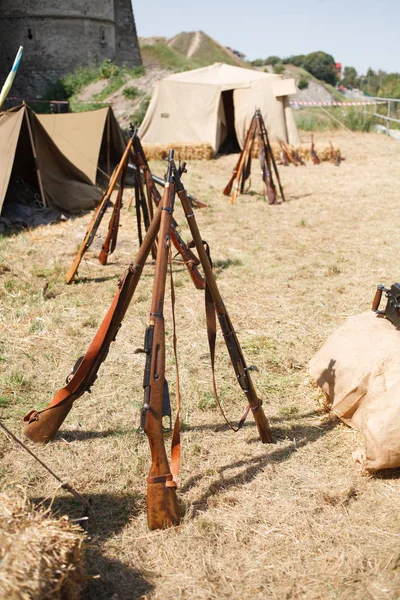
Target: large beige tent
207,105
28,154
92,141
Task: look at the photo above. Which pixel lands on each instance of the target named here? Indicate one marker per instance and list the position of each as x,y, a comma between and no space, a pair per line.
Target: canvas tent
208,104
28,154
92,141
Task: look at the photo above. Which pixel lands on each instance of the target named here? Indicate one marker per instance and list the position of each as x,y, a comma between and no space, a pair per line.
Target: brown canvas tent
206,105
92,141
28,153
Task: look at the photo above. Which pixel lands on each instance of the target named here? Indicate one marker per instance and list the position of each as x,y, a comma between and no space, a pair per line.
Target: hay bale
205,151
303,150
41,557
182,151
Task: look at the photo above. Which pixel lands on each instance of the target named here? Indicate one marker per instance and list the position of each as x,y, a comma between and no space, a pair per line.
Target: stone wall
126,40
60,36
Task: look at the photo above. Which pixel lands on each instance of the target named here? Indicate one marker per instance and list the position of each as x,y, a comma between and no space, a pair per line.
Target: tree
279,68
295,59
349,78
272,60
322,66
390,87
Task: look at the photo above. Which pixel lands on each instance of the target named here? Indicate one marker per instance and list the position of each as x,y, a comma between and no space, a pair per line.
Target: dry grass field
293,520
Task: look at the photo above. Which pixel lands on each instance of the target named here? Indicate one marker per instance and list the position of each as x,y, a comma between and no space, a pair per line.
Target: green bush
108,69
279,68
272,60
74,82
130,93
136,72
302,84
317,120
356,120
314,120
138,116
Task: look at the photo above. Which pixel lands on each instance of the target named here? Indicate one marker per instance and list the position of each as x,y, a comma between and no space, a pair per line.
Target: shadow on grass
80,435
299,197
303,434
94,279
112,513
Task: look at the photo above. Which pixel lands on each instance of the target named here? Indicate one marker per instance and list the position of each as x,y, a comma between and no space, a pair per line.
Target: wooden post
108,142
39,176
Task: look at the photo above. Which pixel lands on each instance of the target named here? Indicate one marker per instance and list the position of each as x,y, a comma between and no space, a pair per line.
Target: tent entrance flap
24,168
230,144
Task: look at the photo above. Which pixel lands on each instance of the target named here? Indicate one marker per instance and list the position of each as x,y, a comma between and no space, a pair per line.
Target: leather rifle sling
176,434
212,334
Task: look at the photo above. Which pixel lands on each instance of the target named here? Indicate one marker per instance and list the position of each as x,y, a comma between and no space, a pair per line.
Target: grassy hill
185,51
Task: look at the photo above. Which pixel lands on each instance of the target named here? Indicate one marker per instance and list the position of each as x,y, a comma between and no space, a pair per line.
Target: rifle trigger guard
74,369
169,428
252,368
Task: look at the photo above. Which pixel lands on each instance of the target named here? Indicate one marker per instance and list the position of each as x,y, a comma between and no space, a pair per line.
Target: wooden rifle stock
335,156
99,214
377,298
314,155
234,348
42,426
110,242
243,160
88,239
228,188
287,154
162,502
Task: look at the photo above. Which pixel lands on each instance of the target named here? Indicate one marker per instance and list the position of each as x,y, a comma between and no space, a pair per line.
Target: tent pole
108,142
39,176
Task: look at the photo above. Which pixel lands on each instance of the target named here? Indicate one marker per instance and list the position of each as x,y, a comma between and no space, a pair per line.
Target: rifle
335,156
245,158
314,155
265,167
162,503
240,162
287,154
110,242
99,213
392,310
271,154
298,158
42,425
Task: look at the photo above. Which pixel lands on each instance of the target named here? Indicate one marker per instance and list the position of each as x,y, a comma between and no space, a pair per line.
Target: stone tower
60,36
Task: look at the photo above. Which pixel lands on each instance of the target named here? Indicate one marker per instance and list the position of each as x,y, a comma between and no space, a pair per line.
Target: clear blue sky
360,33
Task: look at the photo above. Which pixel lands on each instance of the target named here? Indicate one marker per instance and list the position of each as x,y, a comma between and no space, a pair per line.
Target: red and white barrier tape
301,103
